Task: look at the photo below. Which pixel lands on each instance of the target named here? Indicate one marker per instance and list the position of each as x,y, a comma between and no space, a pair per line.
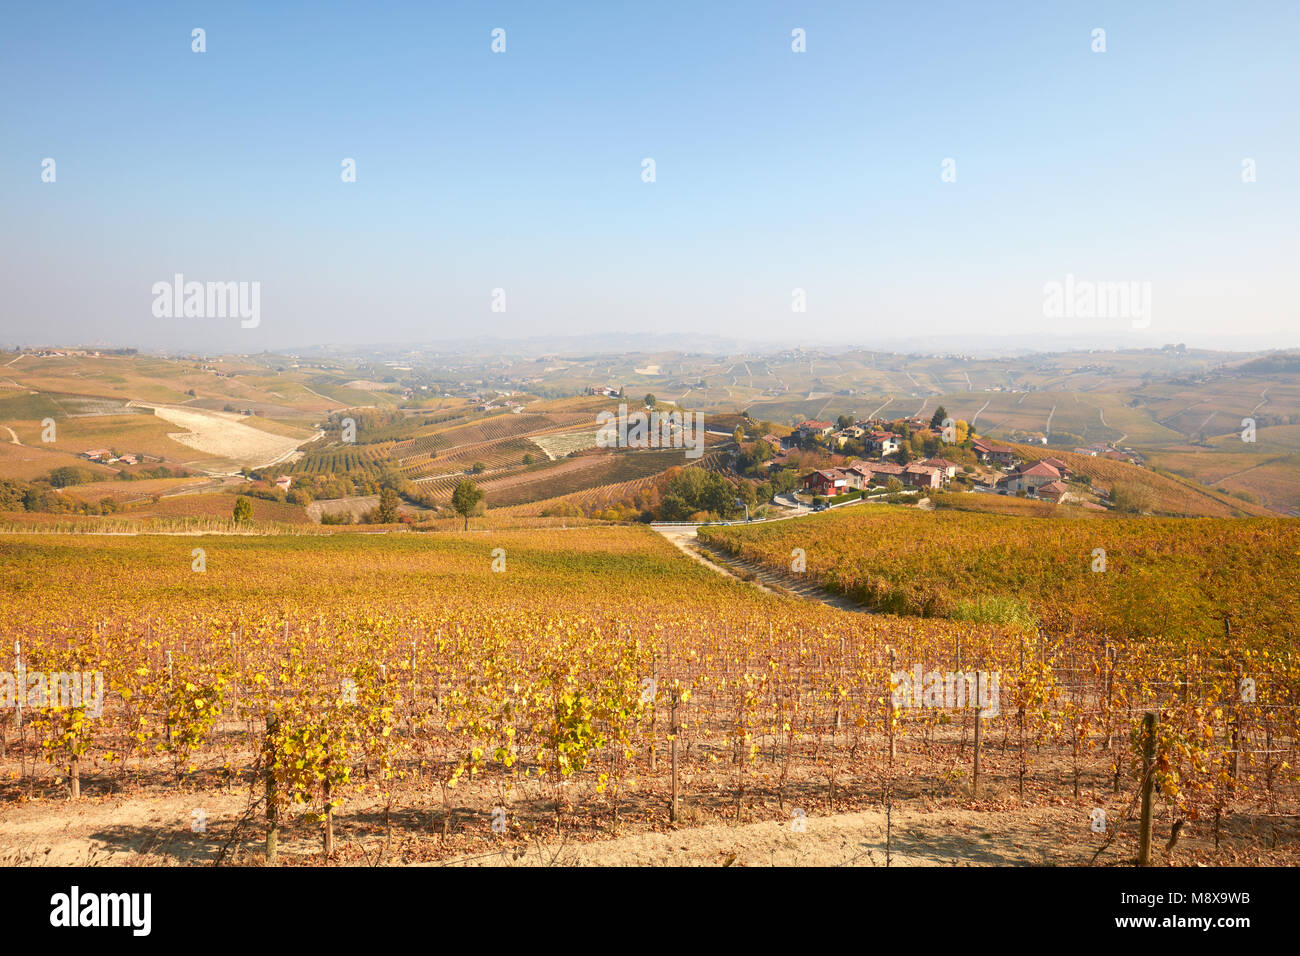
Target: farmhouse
1060,466
948,468
1054,491
827,481
992,452
881,443
920,476
814,427
1032,477
882,471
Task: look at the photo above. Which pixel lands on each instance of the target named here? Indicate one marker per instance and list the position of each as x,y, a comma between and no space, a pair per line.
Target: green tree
649,400
243,509
465,499
936,421
387,506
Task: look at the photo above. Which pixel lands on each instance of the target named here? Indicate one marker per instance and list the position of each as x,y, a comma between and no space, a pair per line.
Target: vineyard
401,698
365,460
1126,576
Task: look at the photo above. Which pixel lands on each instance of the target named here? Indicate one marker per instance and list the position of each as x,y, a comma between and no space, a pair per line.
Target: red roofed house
1060,466
882,471
1032,477
1054,491
859,474
995,453
814,427
920,476
949,468
827,481
882,443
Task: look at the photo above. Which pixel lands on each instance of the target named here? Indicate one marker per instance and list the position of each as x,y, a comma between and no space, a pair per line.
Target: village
882,456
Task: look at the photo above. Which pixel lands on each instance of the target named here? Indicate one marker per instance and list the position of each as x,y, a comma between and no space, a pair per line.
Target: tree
649,400
844,421
528,459
738,435
387,513
243,509
1133,498
478,467
466,498
893,485
940,413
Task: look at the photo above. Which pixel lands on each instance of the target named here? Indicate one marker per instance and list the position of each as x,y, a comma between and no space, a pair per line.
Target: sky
774,170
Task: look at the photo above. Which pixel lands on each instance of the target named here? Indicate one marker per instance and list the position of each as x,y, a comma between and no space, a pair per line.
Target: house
283,482
880,443
1054,491
992,452
858,474
773,442
1032,477
98,454
882,471
827,481
853,431
814,427
920,476
128,460
1060,466
1114,455
948,468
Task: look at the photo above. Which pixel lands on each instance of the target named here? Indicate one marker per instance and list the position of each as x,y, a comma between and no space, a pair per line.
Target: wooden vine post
1020,717
673,731
889,701
1148,784
268,775
979,720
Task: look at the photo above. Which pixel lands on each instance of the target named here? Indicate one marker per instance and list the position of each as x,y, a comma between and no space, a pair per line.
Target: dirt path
687,541
951,837
13,435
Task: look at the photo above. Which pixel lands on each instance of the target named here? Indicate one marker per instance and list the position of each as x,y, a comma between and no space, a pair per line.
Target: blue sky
522,170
